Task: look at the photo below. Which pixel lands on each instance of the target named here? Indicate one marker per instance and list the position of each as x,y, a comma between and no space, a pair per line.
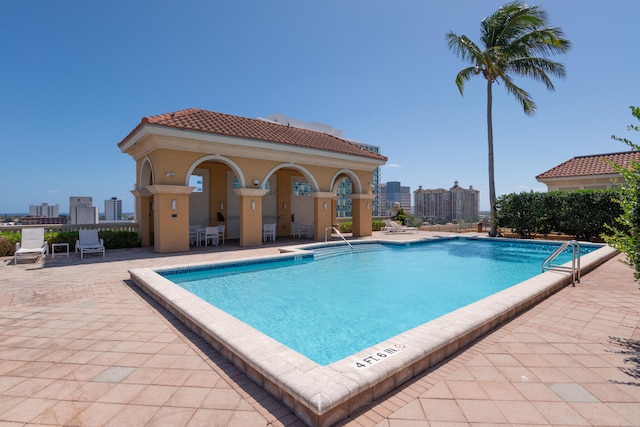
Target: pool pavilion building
202,168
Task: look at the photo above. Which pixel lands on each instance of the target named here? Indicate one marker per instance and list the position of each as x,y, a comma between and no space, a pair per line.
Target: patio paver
81,345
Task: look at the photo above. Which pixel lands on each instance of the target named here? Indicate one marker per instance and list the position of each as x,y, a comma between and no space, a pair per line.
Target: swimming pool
322,395
363,297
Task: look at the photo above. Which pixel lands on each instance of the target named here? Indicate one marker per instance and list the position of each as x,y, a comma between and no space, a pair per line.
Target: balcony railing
111,226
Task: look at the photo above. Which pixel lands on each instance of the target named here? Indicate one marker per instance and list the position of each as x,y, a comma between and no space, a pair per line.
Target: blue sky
78,76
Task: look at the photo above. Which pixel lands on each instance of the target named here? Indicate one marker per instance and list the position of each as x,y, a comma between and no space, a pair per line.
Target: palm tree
516,40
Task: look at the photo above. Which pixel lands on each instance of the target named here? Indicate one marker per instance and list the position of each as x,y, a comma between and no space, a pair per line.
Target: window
300,188
196,181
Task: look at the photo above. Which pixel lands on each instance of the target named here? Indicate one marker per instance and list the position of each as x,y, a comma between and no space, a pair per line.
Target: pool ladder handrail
575,261
326,239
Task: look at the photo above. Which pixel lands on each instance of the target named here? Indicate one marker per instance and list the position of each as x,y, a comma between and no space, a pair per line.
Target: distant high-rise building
390,193
82,211
440,206
44,214
51,211
113,209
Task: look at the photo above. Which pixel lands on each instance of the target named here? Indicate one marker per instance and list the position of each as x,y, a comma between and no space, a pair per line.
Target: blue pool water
331,308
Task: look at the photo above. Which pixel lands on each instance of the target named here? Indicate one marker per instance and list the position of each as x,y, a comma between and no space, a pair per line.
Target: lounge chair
89,242
394,227
32,244
269,232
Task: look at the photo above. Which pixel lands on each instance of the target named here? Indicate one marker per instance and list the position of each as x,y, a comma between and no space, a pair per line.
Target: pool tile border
323,395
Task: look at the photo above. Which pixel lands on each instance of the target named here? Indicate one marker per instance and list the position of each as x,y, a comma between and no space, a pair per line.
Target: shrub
7,248
346,227
582,214
9,240
119,239
624,234
112,239
520,213
377,224
400,216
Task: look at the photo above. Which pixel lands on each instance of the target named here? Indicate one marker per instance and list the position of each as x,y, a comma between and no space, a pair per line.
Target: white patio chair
269,232
211,233
32,244
221,233
89,242
295,230
193,234
306,230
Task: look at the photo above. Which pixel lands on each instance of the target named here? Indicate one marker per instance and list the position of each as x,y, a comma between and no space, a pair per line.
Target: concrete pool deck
81,345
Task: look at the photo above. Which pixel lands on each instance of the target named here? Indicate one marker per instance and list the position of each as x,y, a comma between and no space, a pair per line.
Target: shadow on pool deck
79,345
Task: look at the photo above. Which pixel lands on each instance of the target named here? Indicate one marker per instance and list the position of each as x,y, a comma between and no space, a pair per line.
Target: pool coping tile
322,395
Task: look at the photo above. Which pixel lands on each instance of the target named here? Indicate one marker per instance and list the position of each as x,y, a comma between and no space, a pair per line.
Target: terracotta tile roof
595,164
198,120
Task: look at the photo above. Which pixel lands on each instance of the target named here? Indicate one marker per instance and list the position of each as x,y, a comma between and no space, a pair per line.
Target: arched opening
289,201
213,201
344,184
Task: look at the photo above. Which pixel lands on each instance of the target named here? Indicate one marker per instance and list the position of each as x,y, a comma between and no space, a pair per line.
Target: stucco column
170,217
323,215
250,215
143,215
361,208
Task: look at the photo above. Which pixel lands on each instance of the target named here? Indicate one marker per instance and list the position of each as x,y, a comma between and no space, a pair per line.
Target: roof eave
144,129
576,178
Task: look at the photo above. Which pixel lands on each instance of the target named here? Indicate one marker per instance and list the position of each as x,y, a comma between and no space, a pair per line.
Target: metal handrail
339,234
575,260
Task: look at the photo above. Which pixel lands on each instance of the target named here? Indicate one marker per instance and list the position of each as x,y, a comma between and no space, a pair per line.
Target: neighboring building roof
194,119
595,164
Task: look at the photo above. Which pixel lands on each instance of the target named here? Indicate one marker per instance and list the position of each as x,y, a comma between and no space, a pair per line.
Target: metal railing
575,261
112,226
326,239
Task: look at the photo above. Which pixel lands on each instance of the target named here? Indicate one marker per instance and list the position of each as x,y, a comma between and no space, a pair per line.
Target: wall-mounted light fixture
173,204
284,206
169,173
253,205
256,181
221,206
368,205
324,206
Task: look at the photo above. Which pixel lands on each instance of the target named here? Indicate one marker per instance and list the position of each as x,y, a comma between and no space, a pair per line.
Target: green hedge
347,226
112,239
582,214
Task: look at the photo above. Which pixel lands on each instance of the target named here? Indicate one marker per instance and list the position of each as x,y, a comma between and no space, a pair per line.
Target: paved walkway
81,346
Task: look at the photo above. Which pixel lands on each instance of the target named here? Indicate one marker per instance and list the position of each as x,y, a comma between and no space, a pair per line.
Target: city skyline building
82,211
44,210
390,193
113,209
44,214
440,206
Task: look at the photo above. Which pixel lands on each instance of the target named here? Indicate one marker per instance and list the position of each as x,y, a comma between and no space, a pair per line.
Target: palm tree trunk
492,184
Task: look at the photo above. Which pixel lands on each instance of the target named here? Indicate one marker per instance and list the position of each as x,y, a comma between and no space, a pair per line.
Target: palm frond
516,41
464,76
521,95
544,42
538,69
463,47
